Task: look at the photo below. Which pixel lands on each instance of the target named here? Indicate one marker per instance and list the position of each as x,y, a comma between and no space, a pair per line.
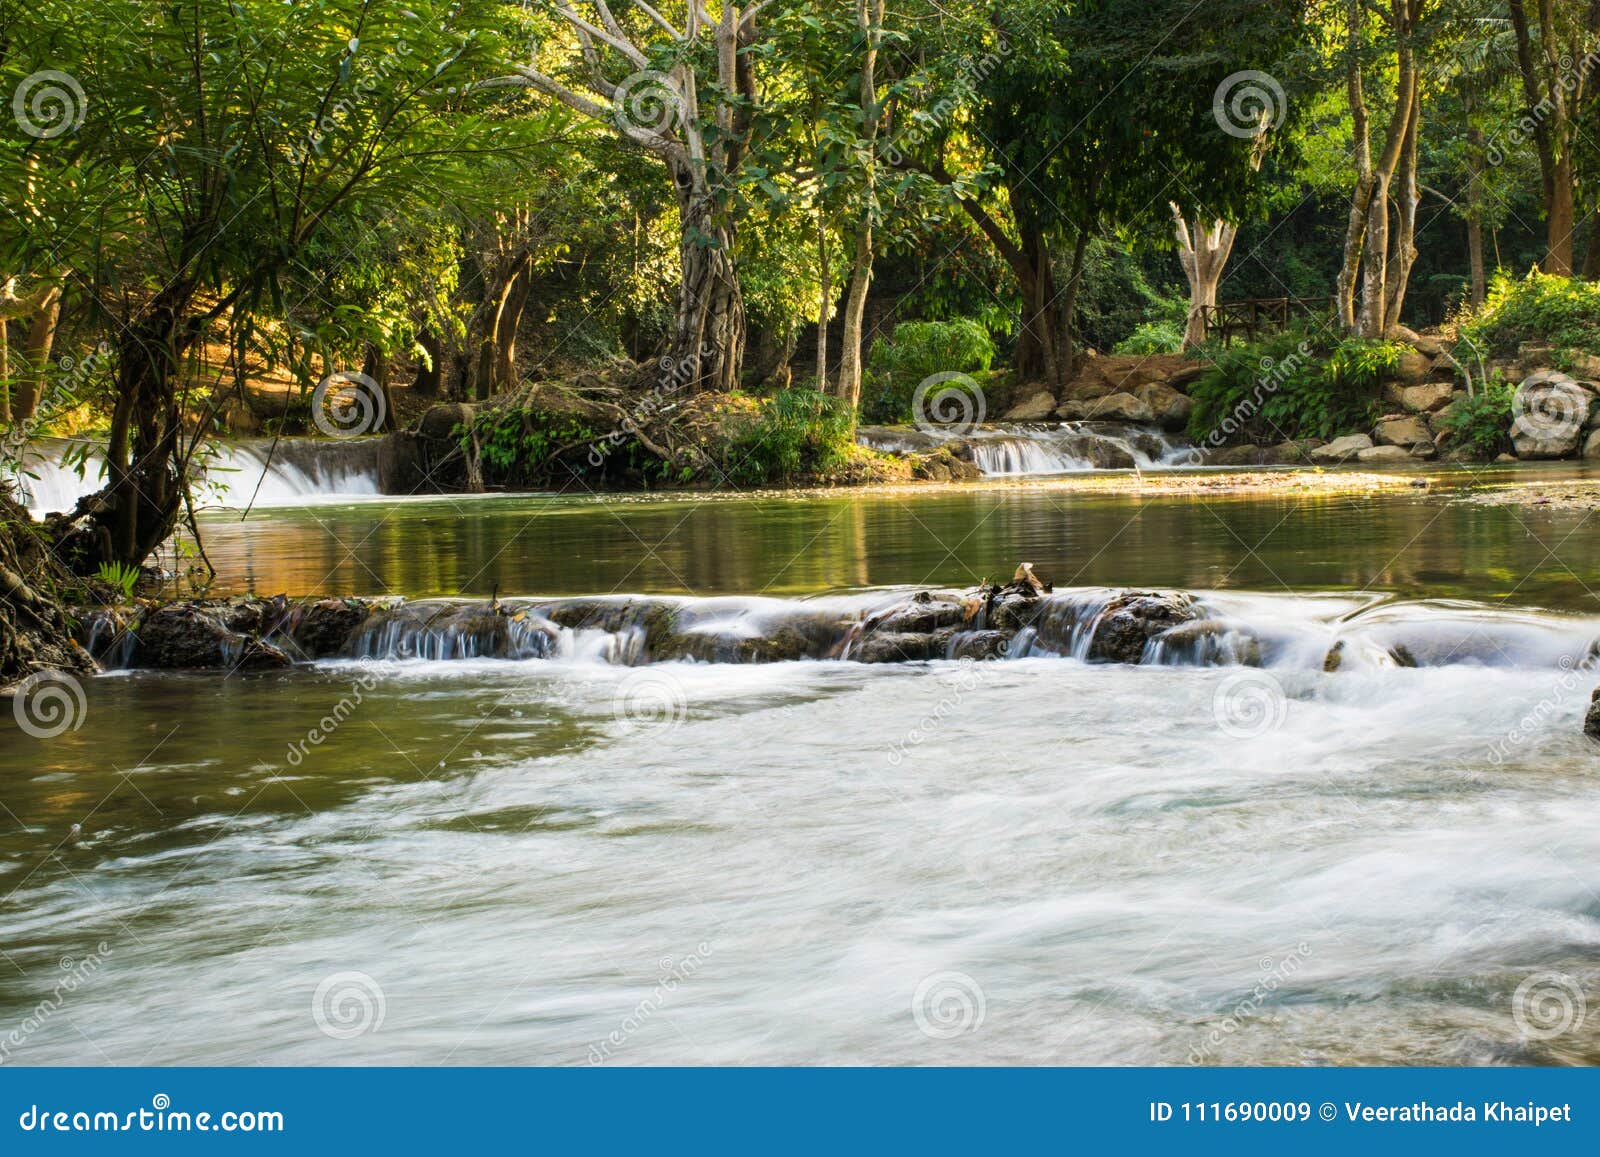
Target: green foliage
1557,311
522,445
1481,422
1296,384
1153,337
119,576
917,350
794,434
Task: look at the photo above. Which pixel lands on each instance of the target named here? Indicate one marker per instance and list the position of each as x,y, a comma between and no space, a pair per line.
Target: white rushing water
1067,448
295,471
1039,861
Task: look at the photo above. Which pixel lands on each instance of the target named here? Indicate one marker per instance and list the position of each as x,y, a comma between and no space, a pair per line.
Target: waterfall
295,471
1020,450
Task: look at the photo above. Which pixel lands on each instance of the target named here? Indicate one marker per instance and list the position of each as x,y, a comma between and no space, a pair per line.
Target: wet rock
1425,451
321,629
196,636
1591,721
1035,409
903,647
1341,449
1210,643
1239,456
1131,619
981,645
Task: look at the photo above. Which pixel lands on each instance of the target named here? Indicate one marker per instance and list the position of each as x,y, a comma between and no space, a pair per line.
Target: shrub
916,350
1482,421
794,433
1296,384
519,445
1153,337
1557,311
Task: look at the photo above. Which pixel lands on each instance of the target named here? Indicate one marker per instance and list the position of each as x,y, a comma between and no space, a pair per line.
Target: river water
1036,861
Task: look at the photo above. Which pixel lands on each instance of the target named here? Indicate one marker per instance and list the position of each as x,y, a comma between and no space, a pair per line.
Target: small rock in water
1591,721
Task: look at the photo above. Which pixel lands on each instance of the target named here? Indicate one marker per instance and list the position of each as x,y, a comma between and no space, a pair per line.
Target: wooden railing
1262,315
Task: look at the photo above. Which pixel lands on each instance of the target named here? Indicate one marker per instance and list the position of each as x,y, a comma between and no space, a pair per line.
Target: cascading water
292,471
1020,450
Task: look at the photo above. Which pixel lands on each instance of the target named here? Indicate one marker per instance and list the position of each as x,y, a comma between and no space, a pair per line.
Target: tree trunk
709,332
5,374
1203,257
855,308
509,322
430,376
1398,270
36,347
1478,290
375,365
143,496
1560,218
1041,339
824,302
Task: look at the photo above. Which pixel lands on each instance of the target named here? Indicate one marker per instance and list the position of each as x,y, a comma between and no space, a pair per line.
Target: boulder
1591,448
1170,408
444,421
1035,409
1389,453
1405,432
1591,721
1424,399
1426,451
1293,453
1131,619
1341,449
402,463
1086,388
1238,456
195,635
1412,369
1118,408
1071,411
1551,410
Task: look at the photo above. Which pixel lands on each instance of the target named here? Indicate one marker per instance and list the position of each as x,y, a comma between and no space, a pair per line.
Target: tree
1555,69
689,100
232,134
1383,271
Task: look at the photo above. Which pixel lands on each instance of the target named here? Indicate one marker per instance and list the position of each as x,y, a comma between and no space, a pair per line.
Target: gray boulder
1341,449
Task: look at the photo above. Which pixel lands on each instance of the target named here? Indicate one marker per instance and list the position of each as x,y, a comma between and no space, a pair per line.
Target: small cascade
1024,450
289,472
